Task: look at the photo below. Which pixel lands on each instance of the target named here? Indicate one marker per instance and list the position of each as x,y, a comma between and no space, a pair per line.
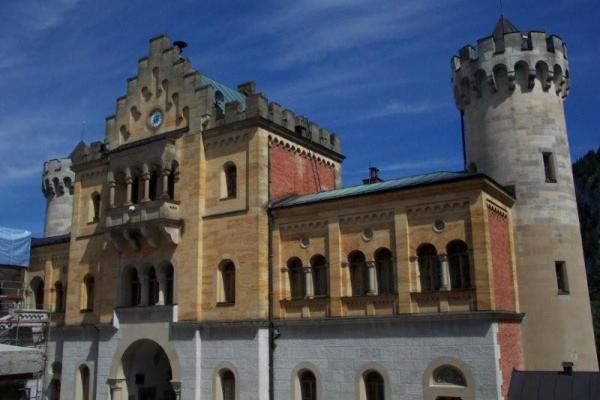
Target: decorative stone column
129,183
116,388
111,189
146,182
309,290
372,274
165,172
176,385
445,283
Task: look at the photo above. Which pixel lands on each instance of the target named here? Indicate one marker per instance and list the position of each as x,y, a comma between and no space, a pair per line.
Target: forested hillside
586,171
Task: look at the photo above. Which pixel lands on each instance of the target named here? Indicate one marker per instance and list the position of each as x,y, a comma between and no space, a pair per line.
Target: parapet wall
519,58
258,105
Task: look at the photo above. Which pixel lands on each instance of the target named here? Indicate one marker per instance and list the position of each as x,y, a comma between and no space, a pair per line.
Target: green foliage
586,172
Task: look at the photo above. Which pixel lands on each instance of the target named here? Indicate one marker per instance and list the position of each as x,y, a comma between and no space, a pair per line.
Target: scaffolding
25,327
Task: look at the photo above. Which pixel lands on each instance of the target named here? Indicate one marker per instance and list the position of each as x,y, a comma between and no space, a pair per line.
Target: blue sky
375,72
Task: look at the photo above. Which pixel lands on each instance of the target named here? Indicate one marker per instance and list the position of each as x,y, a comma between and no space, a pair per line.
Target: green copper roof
229,94
394,184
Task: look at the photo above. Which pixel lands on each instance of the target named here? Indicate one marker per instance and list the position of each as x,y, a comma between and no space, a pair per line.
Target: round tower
510,94
57,186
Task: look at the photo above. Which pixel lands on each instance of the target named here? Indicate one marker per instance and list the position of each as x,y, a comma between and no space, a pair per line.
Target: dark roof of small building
503,26
47,241
391,185
552,385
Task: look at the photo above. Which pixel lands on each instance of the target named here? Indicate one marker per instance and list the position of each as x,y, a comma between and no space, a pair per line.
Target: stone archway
144,372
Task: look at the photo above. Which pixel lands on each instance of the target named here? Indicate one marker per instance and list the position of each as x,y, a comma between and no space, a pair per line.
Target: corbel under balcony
152,223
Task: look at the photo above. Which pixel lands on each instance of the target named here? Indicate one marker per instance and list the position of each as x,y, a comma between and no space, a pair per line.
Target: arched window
135,190
54,387
230,180
172,178
153,185
37,292
133,292
227,384
152,287
384,263
227,271
94,211
429,269
308,385
458,260
319,271
166,283
82,384
449,375
296,274
59,297
359,275
87,293
374,386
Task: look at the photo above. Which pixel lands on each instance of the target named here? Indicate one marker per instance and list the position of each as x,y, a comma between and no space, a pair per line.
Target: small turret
57,186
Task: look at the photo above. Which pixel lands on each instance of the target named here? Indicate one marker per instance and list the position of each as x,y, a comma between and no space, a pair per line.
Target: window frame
562,280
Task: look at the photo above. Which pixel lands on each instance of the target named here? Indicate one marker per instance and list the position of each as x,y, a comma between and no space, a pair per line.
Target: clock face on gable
156,118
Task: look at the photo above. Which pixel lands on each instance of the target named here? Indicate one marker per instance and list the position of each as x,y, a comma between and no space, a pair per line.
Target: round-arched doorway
146,372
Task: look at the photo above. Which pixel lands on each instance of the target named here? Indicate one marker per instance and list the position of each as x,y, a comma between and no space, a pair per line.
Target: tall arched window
37,292
374,386
94,211
133,293
82,384
227,271
359,275
59,297
172,178
153,185
135,190
460,269
308,385
87,293
170,281
296,274
429,269
384,263
152,287
230,180
319,271
227,384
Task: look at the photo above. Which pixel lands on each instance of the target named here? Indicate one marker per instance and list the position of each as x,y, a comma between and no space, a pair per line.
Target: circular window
156,118
367,234
439,225
304,242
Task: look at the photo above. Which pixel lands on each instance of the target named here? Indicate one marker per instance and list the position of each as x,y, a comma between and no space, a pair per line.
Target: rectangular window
561,277
549,170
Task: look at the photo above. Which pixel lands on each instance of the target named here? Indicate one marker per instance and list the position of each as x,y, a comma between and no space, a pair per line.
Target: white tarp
15,245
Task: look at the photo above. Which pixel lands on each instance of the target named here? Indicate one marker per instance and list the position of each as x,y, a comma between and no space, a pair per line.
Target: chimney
567,367
373,176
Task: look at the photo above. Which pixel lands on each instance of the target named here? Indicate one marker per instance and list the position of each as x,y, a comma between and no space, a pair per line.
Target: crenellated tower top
510,57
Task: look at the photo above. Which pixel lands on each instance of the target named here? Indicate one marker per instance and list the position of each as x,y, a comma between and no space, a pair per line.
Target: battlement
258,105
57,178
506,59
86,153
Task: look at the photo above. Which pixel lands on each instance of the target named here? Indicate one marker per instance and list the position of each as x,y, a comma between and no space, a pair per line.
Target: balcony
444,300
151,223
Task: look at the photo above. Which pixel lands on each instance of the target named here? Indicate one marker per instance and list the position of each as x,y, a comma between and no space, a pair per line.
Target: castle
206,249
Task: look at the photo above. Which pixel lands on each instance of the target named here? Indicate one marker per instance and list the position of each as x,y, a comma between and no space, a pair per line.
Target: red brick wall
504,293
509,333
293,172
511,351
